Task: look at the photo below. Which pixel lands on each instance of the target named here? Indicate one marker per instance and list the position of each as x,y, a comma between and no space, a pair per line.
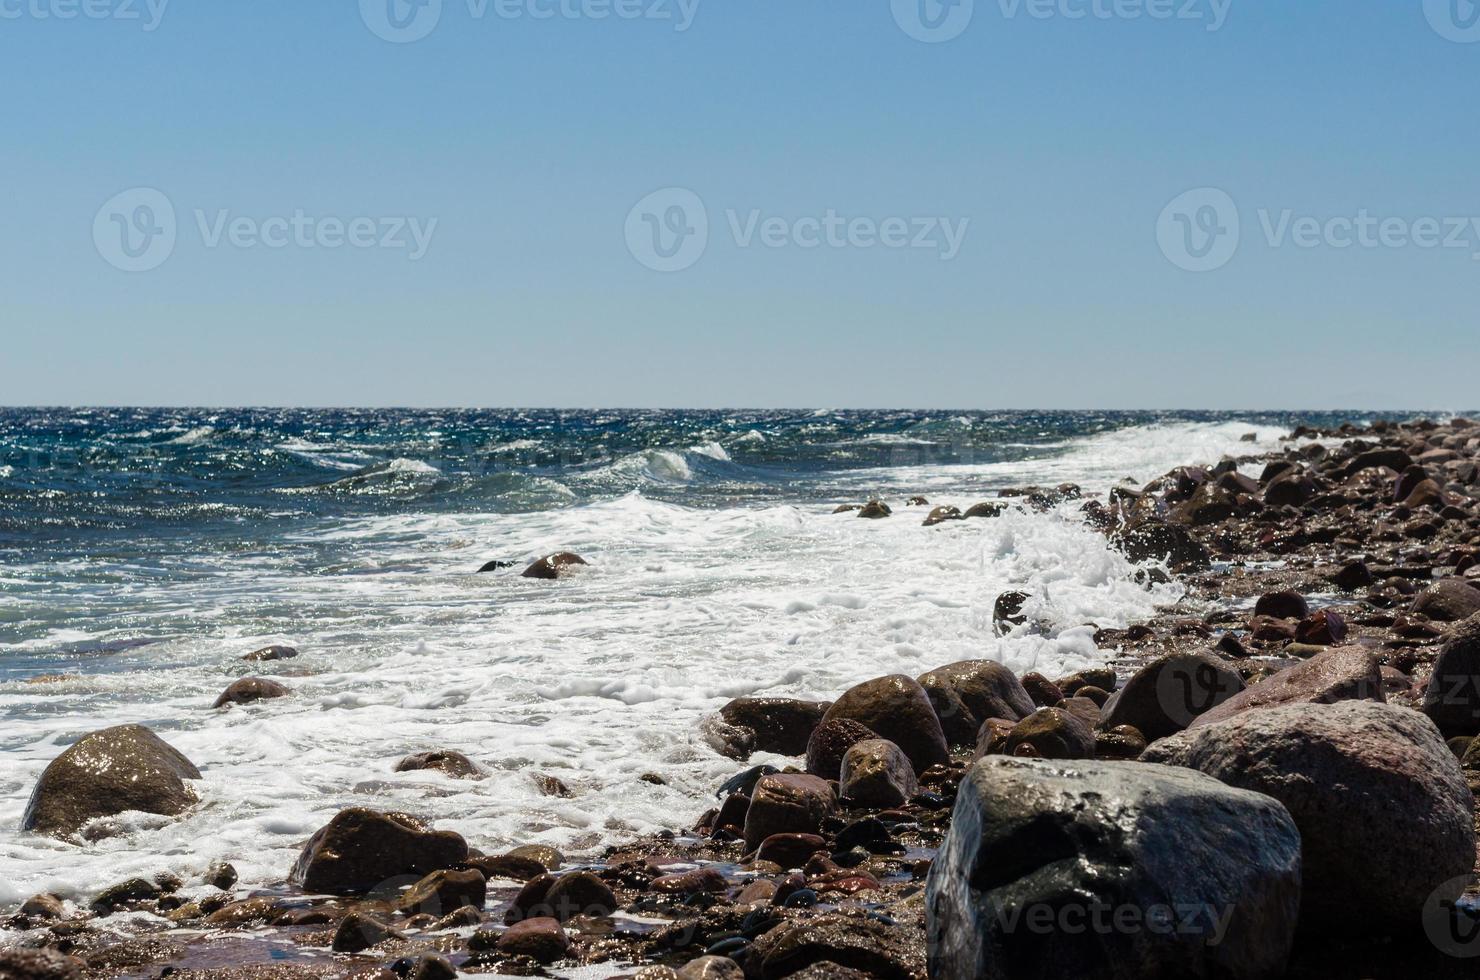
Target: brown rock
1051,733
553,566
787,804
779,725
897,709
830,742
453,764
580,893
1339,674
39,964
790,850
360,849
1452,697
1282,605
442,891
690,882
874,509
1449,601
964,695
250,689
358,932
942,514
1167,694
271,653
108,772
541,939
877,773
1324,628
1044,692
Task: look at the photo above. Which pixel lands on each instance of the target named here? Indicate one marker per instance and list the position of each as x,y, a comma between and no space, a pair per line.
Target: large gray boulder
1111,870
107,772
1382,805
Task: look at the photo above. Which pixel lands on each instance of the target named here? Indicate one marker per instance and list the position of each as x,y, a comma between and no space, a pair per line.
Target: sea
143,552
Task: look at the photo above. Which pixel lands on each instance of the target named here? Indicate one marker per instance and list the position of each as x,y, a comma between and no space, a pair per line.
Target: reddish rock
830,742
360,849
1167,694
541,939
250,689
1051,733
1339,674
442,891
787,804
690,882
877,773
553,566
897,709
964,695
1282,605
1324,628
1452,696
790,850
1449,601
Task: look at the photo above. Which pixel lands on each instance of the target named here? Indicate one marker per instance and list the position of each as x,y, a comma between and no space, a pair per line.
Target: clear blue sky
530,140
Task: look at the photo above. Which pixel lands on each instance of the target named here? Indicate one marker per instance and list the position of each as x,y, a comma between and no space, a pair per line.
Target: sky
1220,204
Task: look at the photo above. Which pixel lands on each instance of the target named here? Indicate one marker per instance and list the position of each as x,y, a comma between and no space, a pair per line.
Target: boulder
1044,692
1051,733
250,689
874,509
553,566
780,725
108,772
830,742
542,939
1111,869
1282,605
790,850
787,804
579,893
877,773
358,932
39,964
443,891
1384,812
1167,694
1449,601
1339,674
1153,540
895,708
967,693
446,761
1452,698
942,514
361,848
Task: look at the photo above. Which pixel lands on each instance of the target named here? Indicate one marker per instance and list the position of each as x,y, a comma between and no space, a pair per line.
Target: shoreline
1350,540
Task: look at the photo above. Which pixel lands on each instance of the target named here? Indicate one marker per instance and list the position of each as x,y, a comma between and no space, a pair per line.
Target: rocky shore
1275,777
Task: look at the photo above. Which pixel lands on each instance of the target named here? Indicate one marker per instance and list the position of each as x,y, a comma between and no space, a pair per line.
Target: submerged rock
109,772
1384,812
1111,869
250,689
453,764
553,566
779,725
271,653
1153,540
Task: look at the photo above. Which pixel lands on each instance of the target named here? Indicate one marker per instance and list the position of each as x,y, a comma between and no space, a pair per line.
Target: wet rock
220,875
580,893
442,891
243,913
985,509
446,761
250,689
846,508
1120,742
851,940
494,566
1167,694
1051,733
360,849
896,708
1209,504
542,940
780,725
830,742
1449,601
358,932
271,653
508,866
433,966
546,855
874,509
1077,840
1325,628
1153,540
1101,677
124,893
732,741
1339,674
877,773
553,566
1394,459
942,514
552,786
1452,697
39,964
44,907
967,693
690,882
1353,576
1282,605
109,772
787,804
1384,813
790,850
1007,612
1043,692
1289,490
711,968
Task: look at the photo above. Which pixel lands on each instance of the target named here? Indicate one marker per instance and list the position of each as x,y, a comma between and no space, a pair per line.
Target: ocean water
143,552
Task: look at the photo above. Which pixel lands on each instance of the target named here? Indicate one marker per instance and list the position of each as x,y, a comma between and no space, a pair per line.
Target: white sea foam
194,436
598,679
